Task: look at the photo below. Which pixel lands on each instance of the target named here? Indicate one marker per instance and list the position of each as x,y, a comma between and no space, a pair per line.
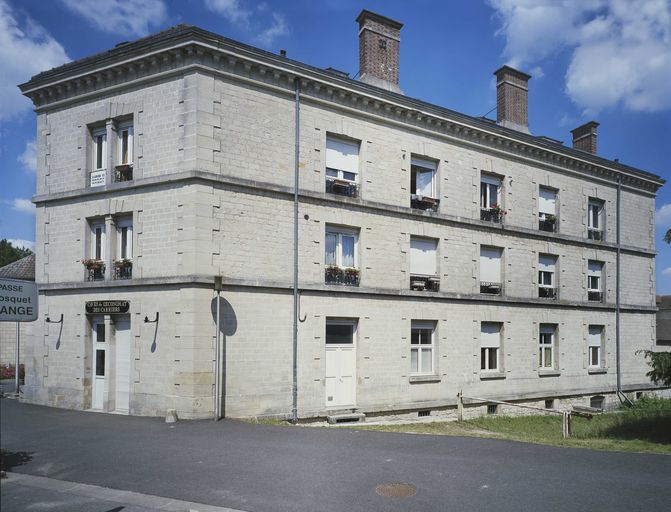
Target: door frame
354,322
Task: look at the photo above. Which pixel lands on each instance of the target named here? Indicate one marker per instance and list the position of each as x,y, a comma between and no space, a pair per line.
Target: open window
342,166
123,171
123,263
547,210
423,194
595,223
490,198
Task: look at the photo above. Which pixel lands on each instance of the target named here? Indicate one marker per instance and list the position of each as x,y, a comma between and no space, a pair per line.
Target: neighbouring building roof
23,269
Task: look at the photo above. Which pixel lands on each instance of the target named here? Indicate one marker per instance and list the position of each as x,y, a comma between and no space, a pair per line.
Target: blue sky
608,60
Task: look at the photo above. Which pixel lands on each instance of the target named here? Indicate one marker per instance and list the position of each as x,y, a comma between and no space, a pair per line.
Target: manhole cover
396,490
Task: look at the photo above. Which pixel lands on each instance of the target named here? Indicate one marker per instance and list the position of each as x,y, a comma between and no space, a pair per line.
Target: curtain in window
331,248
347,250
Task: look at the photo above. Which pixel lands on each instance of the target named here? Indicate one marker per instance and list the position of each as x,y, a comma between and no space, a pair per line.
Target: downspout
294,386
622,397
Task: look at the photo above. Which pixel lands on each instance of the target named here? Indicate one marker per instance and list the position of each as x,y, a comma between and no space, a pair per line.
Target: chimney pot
379,42
512,92
584,137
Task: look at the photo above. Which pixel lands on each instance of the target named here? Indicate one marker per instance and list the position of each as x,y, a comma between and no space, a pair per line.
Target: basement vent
492,409
423,414
596,402
550,404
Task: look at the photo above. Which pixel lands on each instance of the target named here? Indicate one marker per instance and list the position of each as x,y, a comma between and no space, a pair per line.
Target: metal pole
294,387
217,370
617,294
16,365
460,406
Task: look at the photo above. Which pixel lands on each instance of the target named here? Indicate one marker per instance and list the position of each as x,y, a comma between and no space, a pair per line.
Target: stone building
435,252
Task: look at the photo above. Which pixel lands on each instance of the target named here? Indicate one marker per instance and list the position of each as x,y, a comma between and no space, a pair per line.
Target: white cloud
620,49
666,272
28,158
663,215
129,17
22,206
26,49
265,25
25,244
279,28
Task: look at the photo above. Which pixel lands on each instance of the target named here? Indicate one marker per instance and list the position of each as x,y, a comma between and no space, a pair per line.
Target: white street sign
18,300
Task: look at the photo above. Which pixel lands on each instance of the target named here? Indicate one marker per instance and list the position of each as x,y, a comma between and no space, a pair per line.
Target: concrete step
349,417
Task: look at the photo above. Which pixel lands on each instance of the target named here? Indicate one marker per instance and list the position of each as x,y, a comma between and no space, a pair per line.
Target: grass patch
645,427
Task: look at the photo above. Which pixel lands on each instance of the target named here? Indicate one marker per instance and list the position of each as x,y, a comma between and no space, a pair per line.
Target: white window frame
547,271
339,233
542,214
486,192
547,332
100,132
427,241
125,127
593,204
595,346
103,240
594,274
420,349
422,166
340,173
128,225
486,348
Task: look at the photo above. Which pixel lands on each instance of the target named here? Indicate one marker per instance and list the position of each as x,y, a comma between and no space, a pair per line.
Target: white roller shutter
595,335
342,155
490,265
423,256
547,201
547,263
490,335
594,268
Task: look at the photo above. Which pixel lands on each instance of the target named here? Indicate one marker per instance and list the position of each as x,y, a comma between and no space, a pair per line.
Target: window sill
596,371
492,375
413,379
549,373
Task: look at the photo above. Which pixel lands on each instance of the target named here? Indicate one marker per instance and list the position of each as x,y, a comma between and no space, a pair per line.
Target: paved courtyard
260,468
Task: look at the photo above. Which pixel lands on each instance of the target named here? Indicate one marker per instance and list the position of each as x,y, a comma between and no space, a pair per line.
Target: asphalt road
260,468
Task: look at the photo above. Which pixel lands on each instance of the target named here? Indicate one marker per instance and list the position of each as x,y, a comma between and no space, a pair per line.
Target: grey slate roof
183,32
23,269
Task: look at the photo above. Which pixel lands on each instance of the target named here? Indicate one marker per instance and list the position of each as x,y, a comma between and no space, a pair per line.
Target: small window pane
99,151
339,334
333,173
548,357
100,333
331,248
100,363
492,359
349,176
414,337
347,251
426,360
124,147
414,360
99,237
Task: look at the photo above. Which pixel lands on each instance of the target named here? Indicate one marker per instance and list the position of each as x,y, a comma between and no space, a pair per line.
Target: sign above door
107,307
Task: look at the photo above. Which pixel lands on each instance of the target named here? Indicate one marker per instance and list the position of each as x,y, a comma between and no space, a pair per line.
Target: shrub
7,371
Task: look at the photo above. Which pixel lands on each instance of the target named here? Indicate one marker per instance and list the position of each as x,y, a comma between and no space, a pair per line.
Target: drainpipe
294,386
617,294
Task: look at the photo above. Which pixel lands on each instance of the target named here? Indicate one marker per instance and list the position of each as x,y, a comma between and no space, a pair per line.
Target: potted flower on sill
352,274
498,211
93,264
333,272
123,263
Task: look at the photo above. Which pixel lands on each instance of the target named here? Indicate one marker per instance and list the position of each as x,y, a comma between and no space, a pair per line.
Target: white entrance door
122,365
340,377
99,369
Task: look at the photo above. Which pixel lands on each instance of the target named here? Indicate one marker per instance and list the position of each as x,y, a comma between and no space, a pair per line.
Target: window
423,184
596,402
95,263
594,284
547,287
490,198
547,209
124,168
340,332
99,149
423,258
546,342
123,264
595,340
490,346
492,408
422,347
595,219
342,166
340,256
550,403
490,270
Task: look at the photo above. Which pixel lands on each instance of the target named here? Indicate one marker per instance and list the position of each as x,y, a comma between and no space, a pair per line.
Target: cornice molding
265,70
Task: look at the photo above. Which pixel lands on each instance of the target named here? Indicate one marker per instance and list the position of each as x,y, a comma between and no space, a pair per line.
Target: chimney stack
584,137
379,42
512,93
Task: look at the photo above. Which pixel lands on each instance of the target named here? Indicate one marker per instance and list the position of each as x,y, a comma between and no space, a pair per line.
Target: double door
111,366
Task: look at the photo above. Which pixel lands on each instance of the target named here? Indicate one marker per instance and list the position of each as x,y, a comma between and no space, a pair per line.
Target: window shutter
547,263
423,256
547,200
342,155
595,335
490,335
594,268
491,180
490,265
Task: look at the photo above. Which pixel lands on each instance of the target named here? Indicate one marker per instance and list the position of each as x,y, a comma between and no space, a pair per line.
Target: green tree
660,364
9,253
667,237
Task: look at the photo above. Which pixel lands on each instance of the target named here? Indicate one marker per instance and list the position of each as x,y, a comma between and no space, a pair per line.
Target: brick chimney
512,93
584,137
379,42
